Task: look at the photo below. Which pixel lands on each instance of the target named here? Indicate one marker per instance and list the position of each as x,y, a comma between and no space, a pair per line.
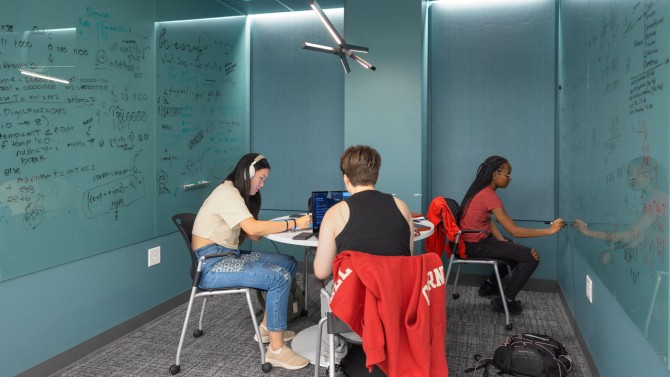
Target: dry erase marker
564,222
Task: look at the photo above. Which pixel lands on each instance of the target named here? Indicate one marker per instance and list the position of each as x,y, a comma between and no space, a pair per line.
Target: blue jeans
265,271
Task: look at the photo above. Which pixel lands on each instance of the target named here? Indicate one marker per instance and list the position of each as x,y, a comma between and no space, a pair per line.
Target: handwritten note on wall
201,90
99,162
614,139
76,158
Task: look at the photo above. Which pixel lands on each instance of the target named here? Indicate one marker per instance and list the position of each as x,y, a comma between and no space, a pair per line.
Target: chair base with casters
334,326
205,294
496,263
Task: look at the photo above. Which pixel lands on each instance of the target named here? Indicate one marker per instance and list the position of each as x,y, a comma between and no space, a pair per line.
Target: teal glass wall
613,124
100,160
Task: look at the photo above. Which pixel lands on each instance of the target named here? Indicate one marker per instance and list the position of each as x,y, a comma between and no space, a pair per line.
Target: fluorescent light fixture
469,4
61,30
356,48
360,60
320,48
345,64
329,25
343,49
41,76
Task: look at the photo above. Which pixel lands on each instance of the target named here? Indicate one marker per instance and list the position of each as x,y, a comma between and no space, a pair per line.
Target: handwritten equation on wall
614,139
201,91
77,158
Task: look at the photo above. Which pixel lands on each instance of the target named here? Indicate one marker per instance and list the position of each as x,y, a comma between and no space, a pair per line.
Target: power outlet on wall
589,289
154,256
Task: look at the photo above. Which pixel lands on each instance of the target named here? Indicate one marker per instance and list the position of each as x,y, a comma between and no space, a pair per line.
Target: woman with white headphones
229,216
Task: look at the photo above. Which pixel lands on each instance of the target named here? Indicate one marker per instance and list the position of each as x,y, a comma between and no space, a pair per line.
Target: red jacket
437,242
397,305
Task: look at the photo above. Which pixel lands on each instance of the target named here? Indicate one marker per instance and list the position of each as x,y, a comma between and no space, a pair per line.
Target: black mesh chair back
454,207
184,223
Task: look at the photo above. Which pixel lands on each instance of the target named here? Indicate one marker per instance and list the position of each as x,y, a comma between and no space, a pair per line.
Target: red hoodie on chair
397,305
445,228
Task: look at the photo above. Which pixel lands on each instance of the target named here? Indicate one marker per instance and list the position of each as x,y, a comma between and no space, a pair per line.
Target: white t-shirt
220,216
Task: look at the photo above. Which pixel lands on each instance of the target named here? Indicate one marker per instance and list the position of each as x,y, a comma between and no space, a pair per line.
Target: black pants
519,258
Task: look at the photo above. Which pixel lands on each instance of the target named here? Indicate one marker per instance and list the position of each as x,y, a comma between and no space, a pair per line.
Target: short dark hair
361,164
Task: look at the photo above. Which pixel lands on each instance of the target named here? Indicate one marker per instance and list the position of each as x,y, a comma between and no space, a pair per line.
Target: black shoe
489,289
513,306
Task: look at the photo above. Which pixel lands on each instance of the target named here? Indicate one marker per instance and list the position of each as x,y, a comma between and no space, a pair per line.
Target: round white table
311,243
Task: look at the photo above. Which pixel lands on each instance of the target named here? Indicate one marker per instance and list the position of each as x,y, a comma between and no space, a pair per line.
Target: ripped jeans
265,271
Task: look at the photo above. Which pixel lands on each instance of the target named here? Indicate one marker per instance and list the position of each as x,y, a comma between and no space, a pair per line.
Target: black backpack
296,299
528,355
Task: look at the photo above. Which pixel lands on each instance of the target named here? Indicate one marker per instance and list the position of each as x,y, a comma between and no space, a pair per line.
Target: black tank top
375,226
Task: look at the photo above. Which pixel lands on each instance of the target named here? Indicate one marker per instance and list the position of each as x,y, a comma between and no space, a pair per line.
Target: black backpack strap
481,364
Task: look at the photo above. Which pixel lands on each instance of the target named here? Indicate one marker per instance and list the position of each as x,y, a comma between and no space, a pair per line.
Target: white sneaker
265,335
286,359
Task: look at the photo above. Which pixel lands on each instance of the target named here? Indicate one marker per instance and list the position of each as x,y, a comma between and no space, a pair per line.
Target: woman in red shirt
479,203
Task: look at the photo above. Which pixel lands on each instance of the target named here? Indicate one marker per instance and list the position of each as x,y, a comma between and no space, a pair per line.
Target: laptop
320,203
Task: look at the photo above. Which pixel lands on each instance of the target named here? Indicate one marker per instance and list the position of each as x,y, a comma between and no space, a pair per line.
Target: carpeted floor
228,349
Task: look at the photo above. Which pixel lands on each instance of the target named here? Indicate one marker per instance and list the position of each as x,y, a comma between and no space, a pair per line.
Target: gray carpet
228,349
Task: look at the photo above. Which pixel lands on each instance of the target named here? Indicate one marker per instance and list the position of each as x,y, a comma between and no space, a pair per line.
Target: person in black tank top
368,221
375,225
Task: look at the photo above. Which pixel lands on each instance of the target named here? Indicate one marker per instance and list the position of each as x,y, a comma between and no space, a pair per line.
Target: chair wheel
267,367
456,296
174,369
508,326
197,333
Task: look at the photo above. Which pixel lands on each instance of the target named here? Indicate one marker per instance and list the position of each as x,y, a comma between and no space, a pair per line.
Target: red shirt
478,214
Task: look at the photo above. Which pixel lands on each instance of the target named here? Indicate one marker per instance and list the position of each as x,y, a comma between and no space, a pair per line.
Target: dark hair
361,164
482,179
242,182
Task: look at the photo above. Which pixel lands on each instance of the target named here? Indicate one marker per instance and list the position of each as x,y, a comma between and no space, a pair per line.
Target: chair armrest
219,255
326,295
196,277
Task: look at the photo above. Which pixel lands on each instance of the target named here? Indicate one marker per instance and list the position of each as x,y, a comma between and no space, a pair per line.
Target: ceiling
273,6
172,10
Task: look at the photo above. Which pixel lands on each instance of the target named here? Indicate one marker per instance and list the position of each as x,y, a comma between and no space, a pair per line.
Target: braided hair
482,179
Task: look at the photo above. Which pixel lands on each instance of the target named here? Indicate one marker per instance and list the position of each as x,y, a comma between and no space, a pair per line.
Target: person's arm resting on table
258,228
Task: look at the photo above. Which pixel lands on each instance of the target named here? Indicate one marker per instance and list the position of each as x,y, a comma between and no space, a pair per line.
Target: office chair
334,326
402,301
184,222
455,258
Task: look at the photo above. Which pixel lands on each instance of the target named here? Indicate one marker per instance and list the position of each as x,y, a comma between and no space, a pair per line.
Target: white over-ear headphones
252,170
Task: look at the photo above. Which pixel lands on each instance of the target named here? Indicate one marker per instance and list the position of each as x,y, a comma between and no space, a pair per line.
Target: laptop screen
321,202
